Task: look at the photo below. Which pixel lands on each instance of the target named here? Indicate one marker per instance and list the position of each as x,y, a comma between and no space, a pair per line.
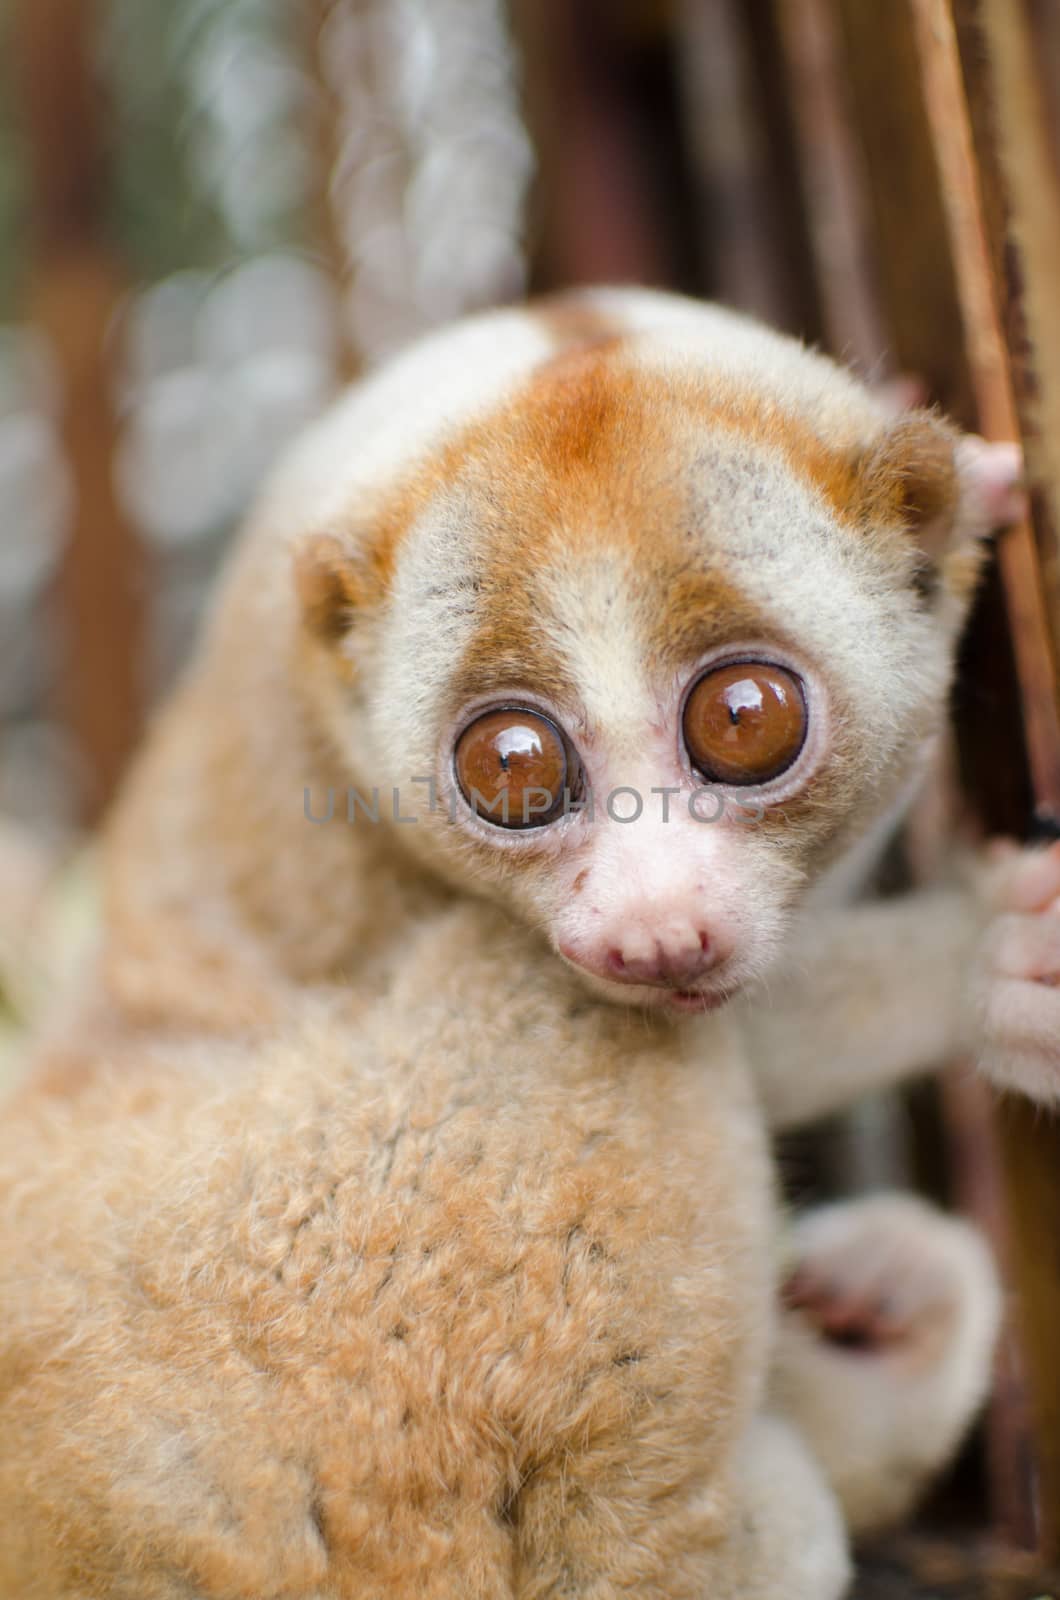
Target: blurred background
214,212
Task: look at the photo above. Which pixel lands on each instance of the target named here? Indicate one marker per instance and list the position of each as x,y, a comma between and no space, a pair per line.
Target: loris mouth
660,997
690,1000
683,1002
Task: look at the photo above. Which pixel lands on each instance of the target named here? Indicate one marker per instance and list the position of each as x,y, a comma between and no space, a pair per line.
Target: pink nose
673,962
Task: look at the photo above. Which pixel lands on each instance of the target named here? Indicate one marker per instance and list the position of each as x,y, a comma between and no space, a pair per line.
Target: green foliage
159,216
167,64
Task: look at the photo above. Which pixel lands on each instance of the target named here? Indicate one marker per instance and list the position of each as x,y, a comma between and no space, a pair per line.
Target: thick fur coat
475,1300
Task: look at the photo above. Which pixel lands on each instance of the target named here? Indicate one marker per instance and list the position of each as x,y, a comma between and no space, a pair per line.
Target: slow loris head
647,613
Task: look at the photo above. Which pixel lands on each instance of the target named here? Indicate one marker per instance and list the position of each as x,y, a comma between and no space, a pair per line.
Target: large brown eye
745,723
511,766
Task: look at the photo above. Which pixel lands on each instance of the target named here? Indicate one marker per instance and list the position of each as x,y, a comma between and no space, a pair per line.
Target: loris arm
872,994
878,991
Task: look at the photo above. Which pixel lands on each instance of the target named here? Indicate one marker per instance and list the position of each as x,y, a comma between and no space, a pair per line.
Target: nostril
683,966
677,957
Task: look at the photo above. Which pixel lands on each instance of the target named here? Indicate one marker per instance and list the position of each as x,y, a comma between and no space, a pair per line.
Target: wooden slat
597,216
976,1158
993,385
1010,63
834,186
75,293
910,244
748,254
1044,18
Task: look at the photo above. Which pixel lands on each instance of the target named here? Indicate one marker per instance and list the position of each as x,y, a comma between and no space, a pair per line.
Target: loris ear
329,585
911,475
947,488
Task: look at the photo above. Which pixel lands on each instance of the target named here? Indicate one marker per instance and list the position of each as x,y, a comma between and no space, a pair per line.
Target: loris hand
1016,993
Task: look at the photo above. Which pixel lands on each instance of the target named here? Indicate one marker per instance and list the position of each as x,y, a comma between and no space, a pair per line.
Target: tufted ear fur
912,475
329,586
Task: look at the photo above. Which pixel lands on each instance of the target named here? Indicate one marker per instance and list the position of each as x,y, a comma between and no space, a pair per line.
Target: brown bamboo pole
912,269
74,294
993,385
1011,59
1031,1143
834,186
597,218
751,262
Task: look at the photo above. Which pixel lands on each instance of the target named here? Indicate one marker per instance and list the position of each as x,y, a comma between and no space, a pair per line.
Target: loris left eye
745,723
513,767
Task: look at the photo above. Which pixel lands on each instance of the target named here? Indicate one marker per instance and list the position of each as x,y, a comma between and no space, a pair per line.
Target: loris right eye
745,723
513,767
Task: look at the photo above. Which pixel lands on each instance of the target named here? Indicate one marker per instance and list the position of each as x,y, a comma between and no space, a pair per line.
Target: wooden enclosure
878,176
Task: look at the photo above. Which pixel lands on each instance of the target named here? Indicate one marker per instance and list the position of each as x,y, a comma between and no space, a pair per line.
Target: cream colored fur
474,1300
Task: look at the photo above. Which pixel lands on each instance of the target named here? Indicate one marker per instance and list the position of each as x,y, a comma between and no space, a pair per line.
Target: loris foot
887,1276
890,1314
1016,995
